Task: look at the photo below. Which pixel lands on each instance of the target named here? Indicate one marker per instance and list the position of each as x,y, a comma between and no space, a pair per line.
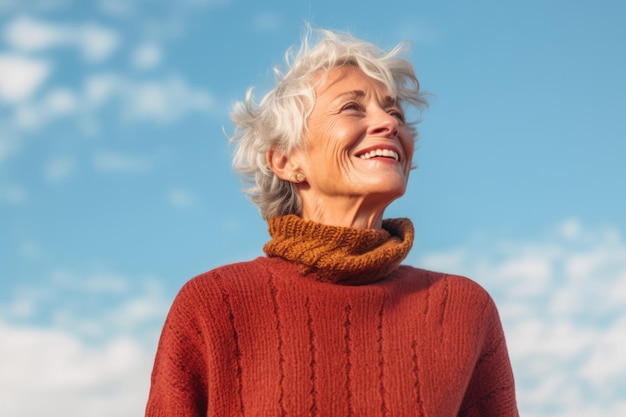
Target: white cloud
13,194
28,117
95,41
59,169
267,21
91,283
29,34
71,376
562,299
179,197
81,342
416,31
9,143
116,7
95,305
55,104
100,88
107,161
80,338
147,56
33,5
203,3
30,250
164,101
20,77
125,8
8,5
60,101
570,228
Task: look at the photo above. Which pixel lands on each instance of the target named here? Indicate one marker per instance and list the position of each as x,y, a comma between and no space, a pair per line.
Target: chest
369,351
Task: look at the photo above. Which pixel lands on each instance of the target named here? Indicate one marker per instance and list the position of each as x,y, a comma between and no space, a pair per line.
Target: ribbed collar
341,255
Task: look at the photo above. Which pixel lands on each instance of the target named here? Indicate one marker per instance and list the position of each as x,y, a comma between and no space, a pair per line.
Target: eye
353,105
397,114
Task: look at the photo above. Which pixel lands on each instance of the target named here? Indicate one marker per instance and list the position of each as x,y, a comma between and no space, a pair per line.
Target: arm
179,377
491,389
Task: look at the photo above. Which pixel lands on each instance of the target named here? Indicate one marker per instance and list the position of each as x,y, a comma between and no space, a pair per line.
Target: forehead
348,79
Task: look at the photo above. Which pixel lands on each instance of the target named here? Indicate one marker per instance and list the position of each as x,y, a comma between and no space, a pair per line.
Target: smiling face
358,151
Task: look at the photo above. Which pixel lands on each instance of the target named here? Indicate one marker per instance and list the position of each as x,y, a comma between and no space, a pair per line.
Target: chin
389,185
387,193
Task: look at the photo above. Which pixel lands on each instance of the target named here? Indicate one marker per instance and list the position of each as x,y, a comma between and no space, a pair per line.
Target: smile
380,152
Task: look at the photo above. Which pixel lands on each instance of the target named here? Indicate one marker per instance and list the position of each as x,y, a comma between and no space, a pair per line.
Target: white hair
279,121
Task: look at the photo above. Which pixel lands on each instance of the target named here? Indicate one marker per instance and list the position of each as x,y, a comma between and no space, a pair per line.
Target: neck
350,212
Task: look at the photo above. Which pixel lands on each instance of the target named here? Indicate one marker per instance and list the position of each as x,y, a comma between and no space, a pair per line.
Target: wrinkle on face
353,113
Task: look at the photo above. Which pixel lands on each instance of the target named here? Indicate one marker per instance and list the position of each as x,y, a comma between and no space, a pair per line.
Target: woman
329,323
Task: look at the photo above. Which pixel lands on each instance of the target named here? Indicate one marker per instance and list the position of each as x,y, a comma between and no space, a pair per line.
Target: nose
384,124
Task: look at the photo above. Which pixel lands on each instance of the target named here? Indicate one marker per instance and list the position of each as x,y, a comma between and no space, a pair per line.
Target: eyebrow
351,94
387,100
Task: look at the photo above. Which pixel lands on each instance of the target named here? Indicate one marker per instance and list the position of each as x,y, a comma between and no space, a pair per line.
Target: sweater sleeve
491,389
179,377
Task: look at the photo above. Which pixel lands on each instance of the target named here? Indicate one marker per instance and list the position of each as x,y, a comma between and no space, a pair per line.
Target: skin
353,114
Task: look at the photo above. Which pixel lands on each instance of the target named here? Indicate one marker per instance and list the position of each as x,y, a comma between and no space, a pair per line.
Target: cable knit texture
340,254
329,324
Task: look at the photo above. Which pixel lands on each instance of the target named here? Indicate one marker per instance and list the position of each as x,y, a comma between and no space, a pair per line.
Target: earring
300,177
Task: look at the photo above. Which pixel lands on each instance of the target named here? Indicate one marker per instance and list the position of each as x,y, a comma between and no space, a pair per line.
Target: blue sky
116,186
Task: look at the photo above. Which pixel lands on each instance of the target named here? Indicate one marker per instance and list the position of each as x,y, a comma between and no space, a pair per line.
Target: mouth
380,153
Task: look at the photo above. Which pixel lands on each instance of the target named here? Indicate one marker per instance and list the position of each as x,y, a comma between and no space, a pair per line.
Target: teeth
380,152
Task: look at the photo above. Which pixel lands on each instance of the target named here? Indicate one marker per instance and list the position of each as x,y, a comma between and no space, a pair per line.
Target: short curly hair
279,120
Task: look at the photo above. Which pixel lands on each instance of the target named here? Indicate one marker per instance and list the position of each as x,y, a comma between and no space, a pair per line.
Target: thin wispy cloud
267,21
13,194
99,88
417,31
146,56
33,6
9,143
95,41
109,161
93,98
181,198
163,100
93,283
55,104
205,3
30,249
95,305
117,8
59,169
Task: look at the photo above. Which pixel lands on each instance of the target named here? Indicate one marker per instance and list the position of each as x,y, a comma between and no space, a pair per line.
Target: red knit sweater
329,325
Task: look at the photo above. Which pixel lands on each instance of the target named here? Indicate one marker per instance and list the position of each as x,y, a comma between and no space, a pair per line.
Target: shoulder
450,282
227,275
456,291
211,286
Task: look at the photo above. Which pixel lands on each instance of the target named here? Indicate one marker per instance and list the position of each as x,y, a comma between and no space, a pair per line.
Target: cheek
408,144
331,143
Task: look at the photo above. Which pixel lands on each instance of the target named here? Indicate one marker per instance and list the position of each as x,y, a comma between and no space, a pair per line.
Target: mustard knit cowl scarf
342,255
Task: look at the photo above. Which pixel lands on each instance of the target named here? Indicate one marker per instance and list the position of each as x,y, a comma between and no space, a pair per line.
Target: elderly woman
329,323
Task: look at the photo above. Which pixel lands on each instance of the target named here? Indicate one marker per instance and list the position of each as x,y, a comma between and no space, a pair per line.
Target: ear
284,166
